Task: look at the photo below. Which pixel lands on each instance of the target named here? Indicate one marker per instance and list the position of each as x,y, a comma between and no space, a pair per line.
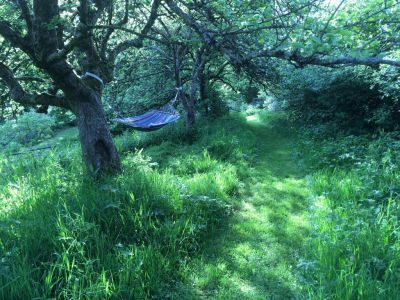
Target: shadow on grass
121,224
254,255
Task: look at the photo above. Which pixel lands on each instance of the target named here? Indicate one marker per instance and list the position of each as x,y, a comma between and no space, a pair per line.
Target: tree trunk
190,117
188,106
203,93
99,152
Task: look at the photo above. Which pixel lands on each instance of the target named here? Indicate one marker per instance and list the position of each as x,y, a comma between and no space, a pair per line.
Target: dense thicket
345,100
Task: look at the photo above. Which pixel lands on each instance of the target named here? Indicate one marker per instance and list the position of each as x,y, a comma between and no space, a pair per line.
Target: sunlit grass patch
64,235
255,255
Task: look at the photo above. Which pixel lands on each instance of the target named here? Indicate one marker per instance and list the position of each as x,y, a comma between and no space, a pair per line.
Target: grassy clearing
231,216
255,254
64,236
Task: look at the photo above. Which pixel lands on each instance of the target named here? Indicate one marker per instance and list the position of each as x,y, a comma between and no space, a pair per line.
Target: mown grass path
255,255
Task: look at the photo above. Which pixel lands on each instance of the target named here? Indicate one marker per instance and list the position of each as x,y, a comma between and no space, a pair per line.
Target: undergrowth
354,251
64,236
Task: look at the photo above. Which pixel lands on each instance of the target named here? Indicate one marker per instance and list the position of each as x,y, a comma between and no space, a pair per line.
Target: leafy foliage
342,100
29,129
353,251
133,235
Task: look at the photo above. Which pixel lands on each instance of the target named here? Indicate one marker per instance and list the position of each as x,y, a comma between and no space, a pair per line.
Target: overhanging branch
138,42
18,94
320,60
14,38
238,58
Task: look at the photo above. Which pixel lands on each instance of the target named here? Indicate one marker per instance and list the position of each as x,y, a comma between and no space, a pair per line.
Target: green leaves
55,22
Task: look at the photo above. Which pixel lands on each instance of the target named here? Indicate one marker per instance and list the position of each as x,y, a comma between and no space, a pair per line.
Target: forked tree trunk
99,152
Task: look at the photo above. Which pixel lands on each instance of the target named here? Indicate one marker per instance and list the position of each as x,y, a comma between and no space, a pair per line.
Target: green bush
345,100
30,128
61,116
214,105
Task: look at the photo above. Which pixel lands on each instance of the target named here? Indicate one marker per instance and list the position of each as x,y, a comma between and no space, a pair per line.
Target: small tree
65,38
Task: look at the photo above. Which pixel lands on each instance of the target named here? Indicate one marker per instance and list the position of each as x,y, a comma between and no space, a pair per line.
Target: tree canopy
63,53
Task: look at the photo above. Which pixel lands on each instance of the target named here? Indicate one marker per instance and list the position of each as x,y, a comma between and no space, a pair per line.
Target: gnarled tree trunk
99,152
56,50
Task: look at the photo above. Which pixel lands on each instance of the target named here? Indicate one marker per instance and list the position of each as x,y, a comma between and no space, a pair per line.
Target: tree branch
26,14
237,58
330,19
18,94
191,22
323,60
138,42
30,78
15,39
62,54
139,34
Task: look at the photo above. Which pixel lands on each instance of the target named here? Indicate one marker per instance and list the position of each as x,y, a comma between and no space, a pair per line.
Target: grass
64,236
253,209
254,255
354,248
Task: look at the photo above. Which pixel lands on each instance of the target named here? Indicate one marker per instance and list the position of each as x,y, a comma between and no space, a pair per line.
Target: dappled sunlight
253,118
251,256
199,149
261,246
129,235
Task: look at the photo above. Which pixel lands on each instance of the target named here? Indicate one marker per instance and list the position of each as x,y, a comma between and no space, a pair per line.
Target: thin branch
140,35
26,15
191,22
321,60
111,28
30,78
138,42
63,53
330,19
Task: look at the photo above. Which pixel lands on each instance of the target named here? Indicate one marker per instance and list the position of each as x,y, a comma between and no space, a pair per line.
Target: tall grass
64,236
354,252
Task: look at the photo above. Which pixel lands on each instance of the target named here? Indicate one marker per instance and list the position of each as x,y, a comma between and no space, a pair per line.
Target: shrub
61,116
214,105
29,129
346,100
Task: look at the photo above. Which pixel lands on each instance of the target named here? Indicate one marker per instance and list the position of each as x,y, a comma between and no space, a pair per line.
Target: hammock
150,121
153,120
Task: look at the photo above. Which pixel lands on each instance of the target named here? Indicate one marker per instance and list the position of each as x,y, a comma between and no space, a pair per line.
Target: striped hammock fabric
150,121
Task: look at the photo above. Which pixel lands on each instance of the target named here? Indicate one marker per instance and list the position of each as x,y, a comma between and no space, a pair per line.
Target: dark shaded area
349,104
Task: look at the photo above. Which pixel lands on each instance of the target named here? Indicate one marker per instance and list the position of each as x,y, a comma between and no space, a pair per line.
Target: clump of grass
63,235
354,252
